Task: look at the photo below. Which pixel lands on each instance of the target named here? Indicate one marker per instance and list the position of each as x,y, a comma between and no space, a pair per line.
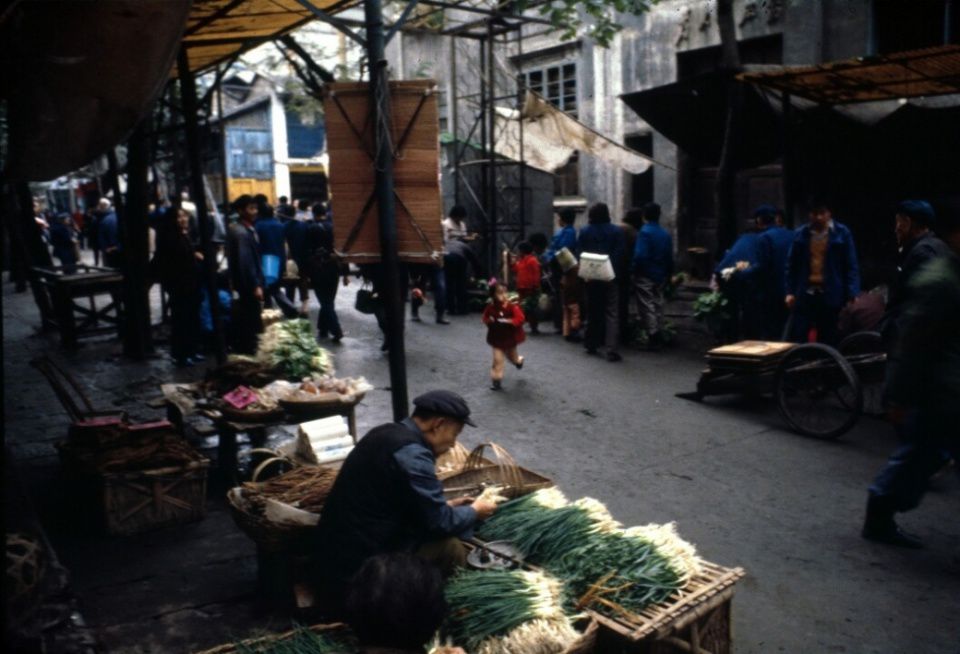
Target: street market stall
72,319
546,575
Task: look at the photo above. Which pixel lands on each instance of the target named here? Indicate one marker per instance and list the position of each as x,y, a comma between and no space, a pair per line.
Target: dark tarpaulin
78,76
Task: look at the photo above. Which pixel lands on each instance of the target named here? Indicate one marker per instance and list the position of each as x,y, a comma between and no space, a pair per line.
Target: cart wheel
818,391
853,347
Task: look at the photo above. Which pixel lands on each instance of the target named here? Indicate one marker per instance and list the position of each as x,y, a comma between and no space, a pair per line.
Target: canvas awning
550,137
80,75
915,73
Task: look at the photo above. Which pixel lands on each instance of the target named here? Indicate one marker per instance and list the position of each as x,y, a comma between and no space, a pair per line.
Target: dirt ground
743,489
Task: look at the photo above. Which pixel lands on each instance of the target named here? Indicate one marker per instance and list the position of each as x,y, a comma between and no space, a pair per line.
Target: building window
250,153
558,86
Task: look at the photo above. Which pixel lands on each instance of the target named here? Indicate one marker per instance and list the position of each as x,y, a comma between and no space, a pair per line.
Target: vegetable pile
305,488
301,641
603,566
507,612
292,349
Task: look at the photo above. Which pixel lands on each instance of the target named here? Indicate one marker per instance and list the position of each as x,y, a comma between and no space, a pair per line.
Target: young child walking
504,321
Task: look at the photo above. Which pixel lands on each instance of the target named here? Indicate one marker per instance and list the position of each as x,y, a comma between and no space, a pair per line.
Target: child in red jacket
504,321
527,271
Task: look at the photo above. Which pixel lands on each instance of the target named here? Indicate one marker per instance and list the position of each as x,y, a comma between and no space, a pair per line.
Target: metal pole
136,245
188,98
224,183
455,119
522,83
492,137
389,261
491,247
786,171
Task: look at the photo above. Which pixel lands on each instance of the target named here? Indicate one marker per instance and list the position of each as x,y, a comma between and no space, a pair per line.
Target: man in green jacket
924,391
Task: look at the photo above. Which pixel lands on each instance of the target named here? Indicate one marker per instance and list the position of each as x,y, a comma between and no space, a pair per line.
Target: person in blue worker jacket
600,236
652,265
273,252
773,248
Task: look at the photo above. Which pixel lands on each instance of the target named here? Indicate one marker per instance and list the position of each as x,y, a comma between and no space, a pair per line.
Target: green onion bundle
601,564
507,612
302,641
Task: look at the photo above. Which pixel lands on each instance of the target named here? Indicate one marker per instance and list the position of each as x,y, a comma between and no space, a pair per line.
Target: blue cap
765,210
919,210
445,403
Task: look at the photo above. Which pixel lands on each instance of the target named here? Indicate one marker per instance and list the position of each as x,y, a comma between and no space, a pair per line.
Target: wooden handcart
819,390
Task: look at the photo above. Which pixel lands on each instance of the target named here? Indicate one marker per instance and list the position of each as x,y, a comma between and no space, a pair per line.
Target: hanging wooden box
414,129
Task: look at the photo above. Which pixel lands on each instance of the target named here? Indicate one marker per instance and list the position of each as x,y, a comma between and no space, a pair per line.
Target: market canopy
915,73
217,31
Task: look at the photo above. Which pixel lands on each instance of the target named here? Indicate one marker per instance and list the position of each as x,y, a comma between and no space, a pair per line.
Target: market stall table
181,401
83,281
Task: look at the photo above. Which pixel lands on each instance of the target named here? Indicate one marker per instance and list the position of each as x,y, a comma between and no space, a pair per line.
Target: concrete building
676,41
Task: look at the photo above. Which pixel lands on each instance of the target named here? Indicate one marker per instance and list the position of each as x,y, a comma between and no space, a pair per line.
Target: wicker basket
269,536
22,576
247,416
337,630
134,502
320,408
477,471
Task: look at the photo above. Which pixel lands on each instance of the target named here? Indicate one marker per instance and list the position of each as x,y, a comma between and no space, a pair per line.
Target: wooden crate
414,121
134,502
696,619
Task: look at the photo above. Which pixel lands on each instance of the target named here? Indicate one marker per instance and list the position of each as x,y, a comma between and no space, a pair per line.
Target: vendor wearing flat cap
387,497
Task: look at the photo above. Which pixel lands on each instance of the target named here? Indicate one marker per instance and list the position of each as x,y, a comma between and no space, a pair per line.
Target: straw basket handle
508,466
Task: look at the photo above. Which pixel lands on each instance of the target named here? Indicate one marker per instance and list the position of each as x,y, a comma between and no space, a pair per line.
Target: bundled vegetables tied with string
603,566
507,612
291,347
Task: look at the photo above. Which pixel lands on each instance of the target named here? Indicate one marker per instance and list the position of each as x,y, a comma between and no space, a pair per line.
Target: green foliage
598,16
713,309
505,598
291,347
303,641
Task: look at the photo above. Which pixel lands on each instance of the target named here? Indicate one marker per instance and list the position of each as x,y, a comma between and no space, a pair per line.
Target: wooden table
82,281
228,428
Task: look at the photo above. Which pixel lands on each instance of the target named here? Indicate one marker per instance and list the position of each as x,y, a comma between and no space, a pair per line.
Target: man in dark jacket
734,275
324,270
387,497
273,252
600,236
918,245
652,268
246,276
773,250
460,263
108,236
822,275
924,392
63,240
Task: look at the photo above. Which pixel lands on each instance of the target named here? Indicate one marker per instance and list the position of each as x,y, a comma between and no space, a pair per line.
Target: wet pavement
748,492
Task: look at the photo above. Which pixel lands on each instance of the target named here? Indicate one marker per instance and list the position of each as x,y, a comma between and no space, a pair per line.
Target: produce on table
507,612
331,388
291,347
603,566
254,400
239,370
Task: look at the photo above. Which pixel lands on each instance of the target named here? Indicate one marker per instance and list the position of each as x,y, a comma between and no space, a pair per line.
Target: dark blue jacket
243,255
386,498
602,238
108,232
773,250
745,248
653,253
566,237
295,232
841,271
61,238
271,234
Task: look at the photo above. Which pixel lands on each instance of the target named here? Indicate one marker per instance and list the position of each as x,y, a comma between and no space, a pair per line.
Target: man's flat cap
445,403
919,210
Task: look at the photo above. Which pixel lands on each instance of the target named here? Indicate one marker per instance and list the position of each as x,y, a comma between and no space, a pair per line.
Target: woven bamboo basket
336,630
478,472
134,502
269,536
22,577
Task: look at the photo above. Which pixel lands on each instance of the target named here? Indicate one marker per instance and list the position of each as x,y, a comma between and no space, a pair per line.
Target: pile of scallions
602,565
301,641
507,612
290,347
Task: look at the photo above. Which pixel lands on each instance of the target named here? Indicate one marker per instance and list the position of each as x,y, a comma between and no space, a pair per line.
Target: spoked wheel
864,351
818,391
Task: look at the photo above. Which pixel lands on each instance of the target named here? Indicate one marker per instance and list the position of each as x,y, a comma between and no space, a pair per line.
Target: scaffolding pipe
389,262
188,99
